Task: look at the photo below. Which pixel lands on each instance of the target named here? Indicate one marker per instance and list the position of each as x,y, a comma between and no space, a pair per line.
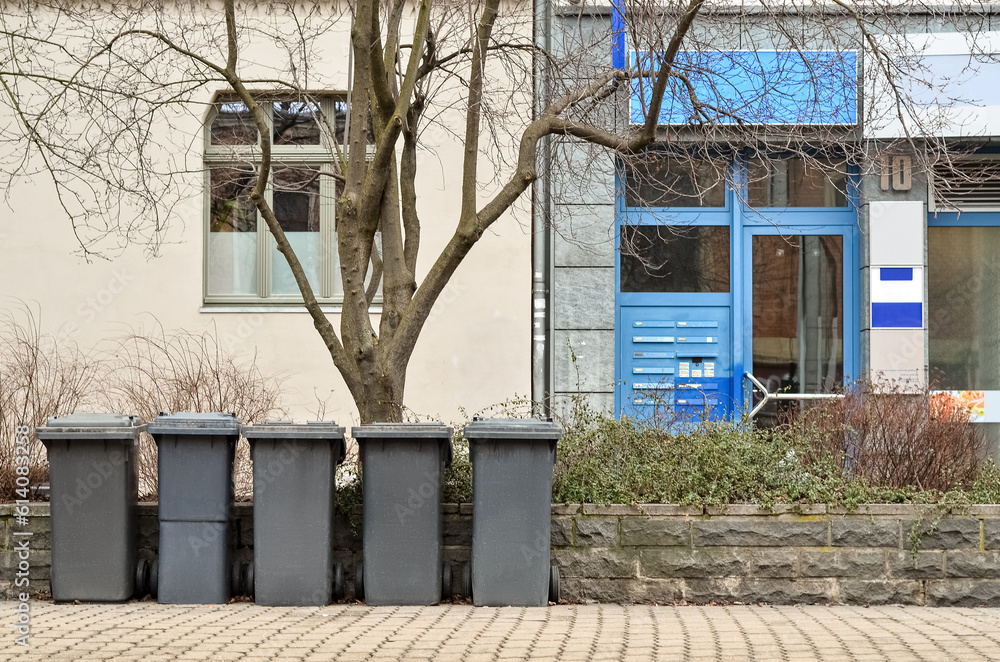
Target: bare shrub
891,437
190,372
39,377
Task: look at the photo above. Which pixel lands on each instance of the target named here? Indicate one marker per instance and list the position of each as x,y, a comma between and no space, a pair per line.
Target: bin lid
195,423
91,426
514,429
402,431
292,430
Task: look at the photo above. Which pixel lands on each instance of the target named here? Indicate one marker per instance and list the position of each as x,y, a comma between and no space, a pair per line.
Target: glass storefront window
661,180
798,313
963,313
796,182
674,258
963,308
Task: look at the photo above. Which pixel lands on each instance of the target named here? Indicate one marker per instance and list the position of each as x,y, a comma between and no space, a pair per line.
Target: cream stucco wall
474,351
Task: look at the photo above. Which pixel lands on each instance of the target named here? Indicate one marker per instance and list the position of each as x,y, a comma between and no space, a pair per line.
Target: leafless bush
189,372
892,437
39,378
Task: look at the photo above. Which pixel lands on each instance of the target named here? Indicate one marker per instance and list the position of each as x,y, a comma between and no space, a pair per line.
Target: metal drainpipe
540,235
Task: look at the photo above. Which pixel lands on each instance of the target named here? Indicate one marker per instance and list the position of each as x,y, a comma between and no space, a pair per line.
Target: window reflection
963,309
798,313
797,182
674,258
660,180
296,122
233,124
297,209
232,239
231,207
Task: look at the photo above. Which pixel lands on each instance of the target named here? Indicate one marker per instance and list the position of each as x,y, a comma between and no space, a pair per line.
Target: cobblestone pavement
151,632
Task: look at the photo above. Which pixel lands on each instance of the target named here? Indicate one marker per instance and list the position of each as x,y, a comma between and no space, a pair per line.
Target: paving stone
681,562
950,533
864,532
596,562
562,532
457,530
772,591
597,531
991,531
843,563
922,565
880,591
655,531
768,531
972,563
963,593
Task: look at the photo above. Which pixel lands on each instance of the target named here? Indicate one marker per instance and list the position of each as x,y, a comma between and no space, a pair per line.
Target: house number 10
897,171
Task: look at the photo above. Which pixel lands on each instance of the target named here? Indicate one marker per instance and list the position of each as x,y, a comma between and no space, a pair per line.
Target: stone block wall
877,554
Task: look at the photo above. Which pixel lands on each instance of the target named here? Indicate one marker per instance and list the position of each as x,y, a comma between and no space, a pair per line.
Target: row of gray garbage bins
94,493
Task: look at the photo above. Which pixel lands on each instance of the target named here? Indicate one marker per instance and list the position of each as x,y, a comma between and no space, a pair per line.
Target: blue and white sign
897,297
751,87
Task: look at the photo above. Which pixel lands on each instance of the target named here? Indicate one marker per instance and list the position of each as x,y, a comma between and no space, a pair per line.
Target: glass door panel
797,319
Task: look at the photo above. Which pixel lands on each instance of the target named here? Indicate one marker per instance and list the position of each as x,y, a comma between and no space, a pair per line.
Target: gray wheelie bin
512,511
196,494
294,485
402,467
93,500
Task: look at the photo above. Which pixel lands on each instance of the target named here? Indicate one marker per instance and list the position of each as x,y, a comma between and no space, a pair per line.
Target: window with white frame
242,263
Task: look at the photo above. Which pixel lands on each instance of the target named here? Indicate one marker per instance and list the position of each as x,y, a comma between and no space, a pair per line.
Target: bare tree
89,86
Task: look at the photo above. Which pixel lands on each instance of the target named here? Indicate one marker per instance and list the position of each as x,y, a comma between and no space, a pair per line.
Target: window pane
674,258
297,208
795,182
233,124
798,313
963,308
232,237
296,123
665,181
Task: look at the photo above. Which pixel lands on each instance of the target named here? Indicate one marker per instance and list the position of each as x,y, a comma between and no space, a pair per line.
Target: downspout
541,241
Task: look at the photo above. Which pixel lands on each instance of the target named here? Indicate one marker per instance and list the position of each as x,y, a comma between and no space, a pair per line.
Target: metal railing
768,396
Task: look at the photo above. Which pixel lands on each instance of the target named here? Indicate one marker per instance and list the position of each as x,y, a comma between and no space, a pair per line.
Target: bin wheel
235,580
359,581
141,578
247,576
338,581
554,584
154,578
463,581
446,581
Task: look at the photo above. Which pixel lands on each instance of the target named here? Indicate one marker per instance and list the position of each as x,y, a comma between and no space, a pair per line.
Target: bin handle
449,456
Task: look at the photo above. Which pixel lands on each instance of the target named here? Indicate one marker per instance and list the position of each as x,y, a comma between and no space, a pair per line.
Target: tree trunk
380,397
